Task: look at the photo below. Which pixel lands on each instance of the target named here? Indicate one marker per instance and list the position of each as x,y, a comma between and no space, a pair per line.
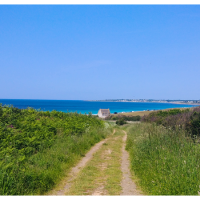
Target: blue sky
100,52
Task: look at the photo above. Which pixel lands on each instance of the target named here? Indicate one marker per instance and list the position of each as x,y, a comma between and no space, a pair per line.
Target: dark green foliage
120,122
132,118
36,147
125,117
170,112
160,116
188,119
193,125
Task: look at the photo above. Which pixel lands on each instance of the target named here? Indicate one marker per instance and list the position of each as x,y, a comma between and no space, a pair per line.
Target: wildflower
184,161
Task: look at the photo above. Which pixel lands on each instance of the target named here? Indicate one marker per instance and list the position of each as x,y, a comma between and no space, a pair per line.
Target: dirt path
75,170
102,174
128,186
103,171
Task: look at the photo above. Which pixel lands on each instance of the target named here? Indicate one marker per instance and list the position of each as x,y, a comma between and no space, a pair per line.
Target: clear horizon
106,99
98,52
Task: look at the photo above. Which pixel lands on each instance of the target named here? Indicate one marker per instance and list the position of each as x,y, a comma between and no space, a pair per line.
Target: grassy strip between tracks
102,175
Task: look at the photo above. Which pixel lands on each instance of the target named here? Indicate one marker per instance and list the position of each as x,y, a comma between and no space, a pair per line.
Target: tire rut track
127,184
75,170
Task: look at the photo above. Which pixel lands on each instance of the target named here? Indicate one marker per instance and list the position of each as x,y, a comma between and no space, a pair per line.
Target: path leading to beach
103,171
127,184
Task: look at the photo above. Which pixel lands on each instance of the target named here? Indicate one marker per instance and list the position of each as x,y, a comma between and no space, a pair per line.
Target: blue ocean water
88,106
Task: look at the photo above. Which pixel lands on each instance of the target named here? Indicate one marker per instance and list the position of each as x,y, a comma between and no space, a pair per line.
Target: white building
103,113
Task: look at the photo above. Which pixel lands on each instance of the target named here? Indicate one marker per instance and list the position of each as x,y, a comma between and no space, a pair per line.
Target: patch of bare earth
127,184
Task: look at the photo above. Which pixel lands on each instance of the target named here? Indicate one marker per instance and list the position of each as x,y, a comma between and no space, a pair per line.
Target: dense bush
188,119
124,117
120,122
165,161
193,124
31,157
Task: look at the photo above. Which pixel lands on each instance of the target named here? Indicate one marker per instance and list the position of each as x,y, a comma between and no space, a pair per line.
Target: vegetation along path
103,171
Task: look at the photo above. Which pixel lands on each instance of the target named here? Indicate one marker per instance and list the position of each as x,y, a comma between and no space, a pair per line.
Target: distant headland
193,102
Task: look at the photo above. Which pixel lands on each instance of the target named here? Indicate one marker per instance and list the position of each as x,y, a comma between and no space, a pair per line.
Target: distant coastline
86,107
198,104
184,102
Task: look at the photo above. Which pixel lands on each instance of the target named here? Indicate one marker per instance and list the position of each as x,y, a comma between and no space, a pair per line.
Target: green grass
103,173
164,161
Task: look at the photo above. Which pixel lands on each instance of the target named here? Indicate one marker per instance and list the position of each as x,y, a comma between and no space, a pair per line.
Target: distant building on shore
103,113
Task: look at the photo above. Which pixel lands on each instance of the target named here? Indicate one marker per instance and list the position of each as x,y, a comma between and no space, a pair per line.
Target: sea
86,107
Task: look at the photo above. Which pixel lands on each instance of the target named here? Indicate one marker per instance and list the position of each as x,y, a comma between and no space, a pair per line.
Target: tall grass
165,161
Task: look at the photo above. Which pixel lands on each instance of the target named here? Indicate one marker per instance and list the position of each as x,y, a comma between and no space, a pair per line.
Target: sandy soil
128,186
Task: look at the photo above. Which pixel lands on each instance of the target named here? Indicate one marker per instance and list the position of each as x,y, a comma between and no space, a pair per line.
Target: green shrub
125,117
36,147
186,119
193,125
120,122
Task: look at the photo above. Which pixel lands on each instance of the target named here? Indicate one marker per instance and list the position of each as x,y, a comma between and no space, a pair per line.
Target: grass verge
164,161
